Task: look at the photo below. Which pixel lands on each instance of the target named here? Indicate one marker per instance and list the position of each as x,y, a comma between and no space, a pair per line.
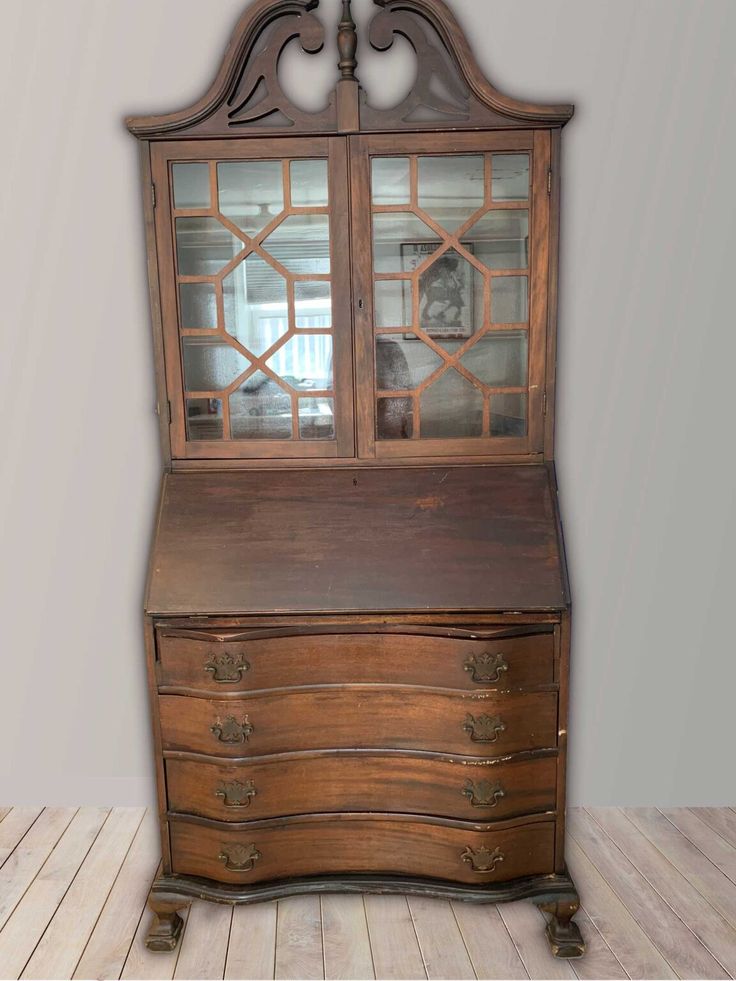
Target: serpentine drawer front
203,663
354,843
266,787
370,717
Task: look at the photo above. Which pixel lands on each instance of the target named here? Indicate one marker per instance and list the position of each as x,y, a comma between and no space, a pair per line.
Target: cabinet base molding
554,894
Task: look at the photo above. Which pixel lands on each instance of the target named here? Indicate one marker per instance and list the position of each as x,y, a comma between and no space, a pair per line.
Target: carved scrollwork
258,96
482,859
239,858
486,669
236,794
483,793
232,731
484,728
438,91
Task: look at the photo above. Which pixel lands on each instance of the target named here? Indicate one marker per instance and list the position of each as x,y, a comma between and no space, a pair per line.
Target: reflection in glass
308,183
501,239
499,359
204,246
391,180
451,297
256,304
260,409
313,304
393,303
510,176
316,418
509,300
451,407
301,243
204,419
210,365
191,185
508,415
401,242
451,189
402,364
394,418
197,305
305,362
251,192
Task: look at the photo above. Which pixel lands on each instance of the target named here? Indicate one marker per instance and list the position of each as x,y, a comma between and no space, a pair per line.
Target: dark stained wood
233,108
355,843
205,662
358,650
367,716
339,541
468,789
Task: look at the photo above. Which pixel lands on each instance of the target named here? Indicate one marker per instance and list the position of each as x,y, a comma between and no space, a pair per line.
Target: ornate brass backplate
236,794
226,668
483,793
484,728
486,669
482,859
239,858
232,731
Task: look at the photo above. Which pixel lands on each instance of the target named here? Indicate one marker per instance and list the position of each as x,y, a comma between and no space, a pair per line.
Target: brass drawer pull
236,794
232,731
483,793
482,859
239,858
486,669
226,668
484,728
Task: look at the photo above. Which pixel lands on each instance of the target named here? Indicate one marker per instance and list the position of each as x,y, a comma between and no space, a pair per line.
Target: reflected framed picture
446,295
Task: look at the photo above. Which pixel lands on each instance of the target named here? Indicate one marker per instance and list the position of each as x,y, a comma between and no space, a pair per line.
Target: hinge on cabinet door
165,410
153,195
544,403
549,180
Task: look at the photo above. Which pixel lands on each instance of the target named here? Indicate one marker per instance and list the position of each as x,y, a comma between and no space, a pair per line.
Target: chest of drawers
344,750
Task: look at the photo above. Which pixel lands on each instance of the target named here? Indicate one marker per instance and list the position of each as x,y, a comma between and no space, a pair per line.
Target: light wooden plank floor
658,889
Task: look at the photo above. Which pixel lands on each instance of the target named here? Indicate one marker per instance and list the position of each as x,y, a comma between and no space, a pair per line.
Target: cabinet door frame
334,149
362,149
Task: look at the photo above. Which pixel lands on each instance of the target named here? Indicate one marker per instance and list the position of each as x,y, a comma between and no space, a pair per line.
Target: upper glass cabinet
257,323
424,262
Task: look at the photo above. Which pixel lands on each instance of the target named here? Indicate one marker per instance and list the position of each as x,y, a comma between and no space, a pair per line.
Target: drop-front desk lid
357,540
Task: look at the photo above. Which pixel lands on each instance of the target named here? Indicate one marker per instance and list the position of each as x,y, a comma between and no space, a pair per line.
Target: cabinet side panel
150,639
155,301
539,272
554,254
563,667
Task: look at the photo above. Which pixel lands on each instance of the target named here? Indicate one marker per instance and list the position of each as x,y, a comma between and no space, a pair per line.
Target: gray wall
647,353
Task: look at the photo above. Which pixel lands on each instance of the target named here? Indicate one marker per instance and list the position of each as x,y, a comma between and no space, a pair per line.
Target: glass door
254,279
452,284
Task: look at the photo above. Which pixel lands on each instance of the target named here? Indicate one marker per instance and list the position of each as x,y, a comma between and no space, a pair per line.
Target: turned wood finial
347,43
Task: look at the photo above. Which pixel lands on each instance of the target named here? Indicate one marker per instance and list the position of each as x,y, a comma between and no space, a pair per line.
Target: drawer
352,843
469,790
209,664
368,718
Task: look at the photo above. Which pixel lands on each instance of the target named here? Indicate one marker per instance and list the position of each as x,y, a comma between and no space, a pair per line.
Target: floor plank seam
718,912
663,897
622,899
109,891
17,844
66,891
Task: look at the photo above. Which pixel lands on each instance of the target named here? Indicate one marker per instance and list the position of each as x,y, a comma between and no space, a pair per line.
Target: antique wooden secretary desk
357,613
